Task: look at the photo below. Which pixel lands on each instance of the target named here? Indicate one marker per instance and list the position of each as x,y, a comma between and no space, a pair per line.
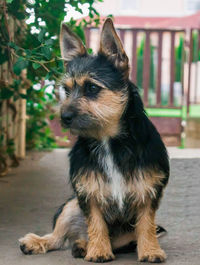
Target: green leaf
20,15
20,65
46,52
41,35
52,116
90,51
3,56
9,1
28,53
49,95
23,96
48,75
80,32
36,65
13,45
49,42
6,93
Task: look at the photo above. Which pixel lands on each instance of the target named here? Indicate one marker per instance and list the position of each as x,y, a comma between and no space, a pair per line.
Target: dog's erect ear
70,44
111,46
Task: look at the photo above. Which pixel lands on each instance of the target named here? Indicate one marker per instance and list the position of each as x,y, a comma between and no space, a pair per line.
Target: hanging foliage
29,49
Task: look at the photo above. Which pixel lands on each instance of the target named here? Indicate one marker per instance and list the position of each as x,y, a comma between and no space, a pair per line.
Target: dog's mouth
73,131
81,125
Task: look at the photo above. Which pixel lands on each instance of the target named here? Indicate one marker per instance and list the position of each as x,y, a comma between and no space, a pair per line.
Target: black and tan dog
119,164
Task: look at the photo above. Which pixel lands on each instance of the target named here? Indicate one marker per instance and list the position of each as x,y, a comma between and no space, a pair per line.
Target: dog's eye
91,90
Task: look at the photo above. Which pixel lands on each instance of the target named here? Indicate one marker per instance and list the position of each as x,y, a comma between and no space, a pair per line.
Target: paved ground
30,195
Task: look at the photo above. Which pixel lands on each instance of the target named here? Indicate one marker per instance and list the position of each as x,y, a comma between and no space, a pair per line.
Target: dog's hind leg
69,223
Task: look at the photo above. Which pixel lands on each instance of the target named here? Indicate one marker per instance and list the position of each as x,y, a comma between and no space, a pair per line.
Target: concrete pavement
30,194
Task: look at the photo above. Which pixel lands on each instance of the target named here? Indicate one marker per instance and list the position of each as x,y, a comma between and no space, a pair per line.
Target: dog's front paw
99,256
33,244
153,256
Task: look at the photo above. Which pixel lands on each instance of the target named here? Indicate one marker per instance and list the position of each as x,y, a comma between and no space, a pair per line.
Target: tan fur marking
80,80
143,187
35,243
82,245
69,82
86,77
123,240
107,110
93,186
99,245
147,242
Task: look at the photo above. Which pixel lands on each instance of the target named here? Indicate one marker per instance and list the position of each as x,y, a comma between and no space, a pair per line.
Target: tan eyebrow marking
69,82
81,80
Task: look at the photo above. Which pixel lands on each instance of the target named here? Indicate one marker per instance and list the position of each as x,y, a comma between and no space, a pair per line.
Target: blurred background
161,38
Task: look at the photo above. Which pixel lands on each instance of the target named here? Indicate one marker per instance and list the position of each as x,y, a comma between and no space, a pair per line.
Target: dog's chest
116,183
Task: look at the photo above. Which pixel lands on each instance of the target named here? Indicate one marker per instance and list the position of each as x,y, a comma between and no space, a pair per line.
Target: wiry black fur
57,214
136,148
100,67
133,149
140,141
139,147
59,211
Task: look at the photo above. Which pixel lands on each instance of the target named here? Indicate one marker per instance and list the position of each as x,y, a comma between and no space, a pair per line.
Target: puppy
118,166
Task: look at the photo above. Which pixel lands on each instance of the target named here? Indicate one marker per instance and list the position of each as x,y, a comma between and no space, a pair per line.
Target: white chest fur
116,180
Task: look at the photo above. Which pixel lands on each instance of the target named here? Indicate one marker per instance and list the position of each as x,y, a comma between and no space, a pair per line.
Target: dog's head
96,86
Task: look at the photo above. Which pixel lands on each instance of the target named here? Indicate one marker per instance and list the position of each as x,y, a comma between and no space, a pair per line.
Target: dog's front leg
99,246
147,243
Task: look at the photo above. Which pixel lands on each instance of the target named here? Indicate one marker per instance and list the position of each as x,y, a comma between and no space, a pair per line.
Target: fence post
134,57
159,72
122,34
172,70
189,70
146,67
87,36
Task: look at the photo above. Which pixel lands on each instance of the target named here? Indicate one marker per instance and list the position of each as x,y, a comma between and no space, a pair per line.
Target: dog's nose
67,117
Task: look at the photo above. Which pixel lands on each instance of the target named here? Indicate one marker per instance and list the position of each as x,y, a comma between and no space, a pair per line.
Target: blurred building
152,8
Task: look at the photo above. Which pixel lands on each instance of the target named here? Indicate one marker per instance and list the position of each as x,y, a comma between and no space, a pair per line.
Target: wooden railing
160,46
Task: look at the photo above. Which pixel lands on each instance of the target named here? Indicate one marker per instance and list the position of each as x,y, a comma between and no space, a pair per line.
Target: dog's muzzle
67,118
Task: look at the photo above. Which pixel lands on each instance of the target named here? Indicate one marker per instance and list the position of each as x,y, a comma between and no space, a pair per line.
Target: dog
119,165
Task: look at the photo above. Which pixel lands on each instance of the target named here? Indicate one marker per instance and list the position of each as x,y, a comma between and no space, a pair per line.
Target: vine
30,50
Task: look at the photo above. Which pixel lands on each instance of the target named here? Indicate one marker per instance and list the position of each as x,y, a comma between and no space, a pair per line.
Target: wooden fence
168,94
13,113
